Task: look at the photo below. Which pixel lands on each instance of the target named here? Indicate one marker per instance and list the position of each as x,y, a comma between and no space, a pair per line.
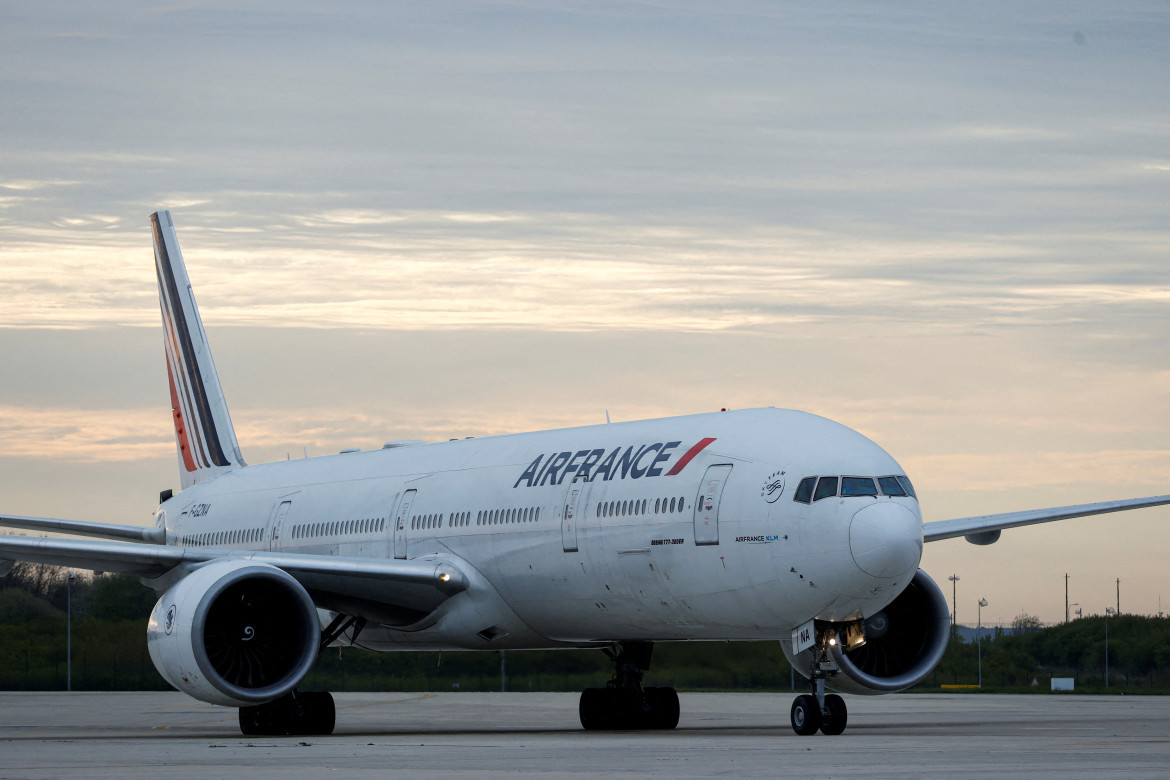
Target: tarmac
167,735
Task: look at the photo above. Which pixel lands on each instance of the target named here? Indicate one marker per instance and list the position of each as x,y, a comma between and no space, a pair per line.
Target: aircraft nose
886,539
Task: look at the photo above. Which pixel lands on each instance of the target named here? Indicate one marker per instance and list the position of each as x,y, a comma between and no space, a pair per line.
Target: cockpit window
813,489
905,482
826,488
804,490
858,486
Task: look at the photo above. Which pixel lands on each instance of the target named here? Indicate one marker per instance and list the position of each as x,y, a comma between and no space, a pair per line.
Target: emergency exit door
707,504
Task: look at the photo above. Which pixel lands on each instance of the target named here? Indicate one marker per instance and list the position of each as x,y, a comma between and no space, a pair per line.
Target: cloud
84,435
555,271
1119,470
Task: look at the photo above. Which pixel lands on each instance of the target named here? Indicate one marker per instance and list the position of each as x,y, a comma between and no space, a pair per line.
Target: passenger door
707,504
275,532
571,514
401,514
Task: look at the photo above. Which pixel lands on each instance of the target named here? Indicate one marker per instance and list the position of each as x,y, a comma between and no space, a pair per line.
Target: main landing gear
623,704
296,713
300,713
820,711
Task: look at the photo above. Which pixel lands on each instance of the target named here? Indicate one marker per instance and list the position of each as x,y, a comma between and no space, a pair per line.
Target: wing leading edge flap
985,527
394,592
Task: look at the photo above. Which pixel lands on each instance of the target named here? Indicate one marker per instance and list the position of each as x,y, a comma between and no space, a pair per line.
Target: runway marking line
423,697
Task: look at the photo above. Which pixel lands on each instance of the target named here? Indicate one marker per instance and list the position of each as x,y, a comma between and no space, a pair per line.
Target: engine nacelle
234,633
903,643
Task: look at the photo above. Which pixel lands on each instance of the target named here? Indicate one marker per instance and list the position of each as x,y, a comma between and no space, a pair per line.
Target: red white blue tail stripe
204,434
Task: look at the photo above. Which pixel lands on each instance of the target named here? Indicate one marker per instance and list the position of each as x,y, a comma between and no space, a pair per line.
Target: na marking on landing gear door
762,524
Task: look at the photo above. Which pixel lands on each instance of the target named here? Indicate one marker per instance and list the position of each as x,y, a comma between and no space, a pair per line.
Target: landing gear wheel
806,715
319,714
255,721
664,708
594,709
838,714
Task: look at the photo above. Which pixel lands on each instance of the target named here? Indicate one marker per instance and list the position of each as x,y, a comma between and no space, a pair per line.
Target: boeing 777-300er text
763,524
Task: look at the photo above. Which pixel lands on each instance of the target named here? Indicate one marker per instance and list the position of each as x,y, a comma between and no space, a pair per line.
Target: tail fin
203,429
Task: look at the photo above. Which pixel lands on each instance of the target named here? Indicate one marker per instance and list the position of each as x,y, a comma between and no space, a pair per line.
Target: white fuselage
670,529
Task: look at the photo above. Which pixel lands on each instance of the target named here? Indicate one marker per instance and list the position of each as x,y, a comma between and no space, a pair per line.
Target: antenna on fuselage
607,416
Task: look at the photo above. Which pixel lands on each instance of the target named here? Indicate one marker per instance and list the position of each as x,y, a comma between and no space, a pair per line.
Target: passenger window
826,488
804,491
858,486
891,487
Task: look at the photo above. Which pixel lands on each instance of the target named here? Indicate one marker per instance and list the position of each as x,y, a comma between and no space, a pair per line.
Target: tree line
109,614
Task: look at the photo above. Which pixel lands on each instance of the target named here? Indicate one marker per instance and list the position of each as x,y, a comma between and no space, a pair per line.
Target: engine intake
903,643
234,633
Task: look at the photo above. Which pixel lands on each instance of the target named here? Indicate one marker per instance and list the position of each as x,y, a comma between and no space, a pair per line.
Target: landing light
833,642
444,577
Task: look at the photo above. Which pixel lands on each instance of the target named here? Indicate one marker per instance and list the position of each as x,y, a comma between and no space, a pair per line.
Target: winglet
204,434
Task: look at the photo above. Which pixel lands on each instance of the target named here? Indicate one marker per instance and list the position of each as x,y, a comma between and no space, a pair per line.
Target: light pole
979,638
69,631
954,578
1108,611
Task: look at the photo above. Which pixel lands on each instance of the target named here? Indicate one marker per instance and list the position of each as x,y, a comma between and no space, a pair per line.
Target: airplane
759,524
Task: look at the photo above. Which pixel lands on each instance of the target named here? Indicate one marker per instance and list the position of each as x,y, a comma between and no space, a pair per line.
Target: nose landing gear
820,711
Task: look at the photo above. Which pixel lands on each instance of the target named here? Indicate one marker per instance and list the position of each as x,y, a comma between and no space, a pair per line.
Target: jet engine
902,643
235,633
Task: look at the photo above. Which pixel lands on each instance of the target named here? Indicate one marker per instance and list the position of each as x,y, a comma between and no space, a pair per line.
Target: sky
945,225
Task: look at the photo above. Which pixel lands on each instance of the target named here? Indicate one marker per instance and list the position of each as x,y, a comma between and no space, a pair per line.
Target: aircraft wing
393,592
985,528
125,533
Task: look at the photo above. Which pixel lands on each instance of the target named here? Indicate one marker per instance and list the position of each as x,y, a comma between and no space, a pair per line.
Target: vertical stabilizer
203,429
